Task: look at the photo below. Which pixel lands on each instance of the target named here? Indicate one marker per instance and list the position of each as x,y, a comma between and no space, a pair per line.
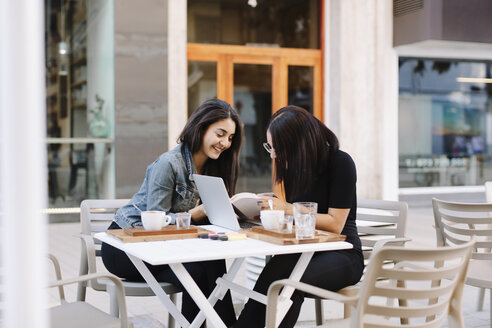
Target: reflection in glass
202,83
301,83
273,23
79,100
253,100
445,126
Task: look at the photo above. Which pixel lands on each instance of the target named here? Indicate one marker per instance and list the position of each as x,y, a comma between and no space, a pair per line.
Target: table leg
156,288
196,294
219,290
285,302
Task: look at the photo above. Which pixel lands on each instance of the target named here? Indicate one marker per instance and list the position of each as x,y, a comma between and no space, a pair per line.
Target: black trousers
204,273
331,270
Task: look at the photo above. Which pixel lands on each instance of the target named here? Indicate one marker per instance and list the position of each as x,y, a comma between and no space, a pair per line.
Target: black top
335,188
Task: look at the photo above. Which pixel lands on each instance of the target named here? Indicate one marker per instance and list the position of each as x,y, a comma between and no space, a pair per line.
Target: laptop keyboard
248,224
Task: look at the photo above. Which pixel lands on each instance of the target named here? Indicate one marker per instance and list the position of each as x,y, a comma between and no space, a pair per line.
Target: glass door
253,100
257,81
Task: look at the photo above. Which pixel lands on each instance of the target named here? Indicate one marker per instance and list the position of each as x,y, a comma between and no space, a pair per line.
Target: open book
246,206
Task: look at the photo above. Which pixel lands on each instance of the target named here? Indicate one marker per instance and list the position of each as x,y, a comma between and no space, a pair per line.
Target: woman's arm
161,186
334,221
198,213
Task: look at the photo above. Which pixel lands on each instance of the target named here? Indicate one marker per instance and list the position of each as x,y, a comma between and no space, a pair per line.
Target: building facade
385,76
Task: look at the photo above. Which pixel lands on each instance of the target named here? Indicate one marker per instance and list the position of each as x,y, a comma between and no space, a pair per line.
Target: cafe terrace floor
148,312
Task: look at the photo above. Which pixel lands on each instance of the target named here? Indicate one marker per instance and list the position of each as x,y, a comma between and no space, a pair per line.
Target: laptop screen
216,201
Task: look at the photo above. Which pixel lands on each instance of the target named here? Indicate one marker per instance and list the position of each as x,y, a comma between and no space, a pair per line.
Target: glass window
80,100
301,82
445,122
202,83
292,24
253,101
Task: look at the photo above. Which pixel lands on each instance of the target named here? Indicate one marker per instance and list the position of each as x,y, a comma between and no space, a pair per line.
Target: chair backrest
457,223
380,219
430,280
95,216
488,191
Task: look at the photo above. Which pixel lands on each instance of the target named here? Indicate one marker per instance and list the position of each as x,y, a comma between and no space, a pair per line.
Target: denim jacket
168,186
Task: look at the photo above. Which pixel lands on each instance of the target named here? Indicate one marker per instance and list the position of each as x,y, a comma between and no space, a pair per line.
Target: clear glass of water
305,219
183,220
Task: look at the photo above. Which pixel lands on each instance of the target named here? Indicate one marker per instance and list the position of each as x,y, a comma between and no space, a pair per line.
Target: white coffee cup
270,219
155,220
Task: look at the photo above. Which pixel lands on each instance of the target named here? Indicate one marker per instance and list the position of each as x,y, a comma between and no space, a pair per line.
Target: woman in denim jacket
209,144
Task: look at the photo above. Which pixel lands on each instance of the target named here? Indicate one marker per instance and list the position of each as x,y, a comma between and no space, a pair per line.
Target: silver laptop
216,201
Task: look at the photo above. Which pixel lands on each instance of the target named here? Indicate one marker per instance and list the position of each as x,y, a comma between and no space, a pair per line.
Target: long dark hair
303,145
227,165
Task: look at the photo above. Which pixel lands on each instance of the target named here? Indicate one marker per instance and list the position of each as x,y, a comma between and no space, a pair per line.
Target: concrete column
23,161
362,91
177,63
141,111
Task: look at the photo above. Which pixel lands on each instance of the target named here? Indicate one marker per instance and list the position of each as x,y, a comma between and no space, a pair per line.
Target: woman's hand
198,212
278,204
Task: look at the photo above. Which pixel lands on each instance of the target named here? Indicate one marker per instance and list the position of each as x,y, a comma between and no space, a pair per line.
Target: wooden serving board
290,239
125,237
264,231
168,230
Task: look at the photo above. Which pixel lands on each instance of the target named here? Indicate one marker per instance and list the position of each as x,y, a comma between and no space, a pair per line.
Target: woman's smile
218,149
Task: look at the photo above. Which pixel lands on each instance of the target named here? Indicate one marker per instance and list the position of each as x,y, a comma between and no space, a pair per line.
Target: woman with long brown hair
209,144
312,168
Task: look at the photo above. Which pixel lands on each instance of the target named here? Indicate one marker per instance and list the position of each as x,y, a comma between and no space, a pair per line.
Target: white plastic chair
376,220
95,216
82,314
488,199
457,223
430,280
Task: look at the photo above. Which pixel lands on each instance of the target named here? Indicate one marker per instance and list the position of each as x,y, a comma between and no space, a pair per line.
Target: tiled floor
148,312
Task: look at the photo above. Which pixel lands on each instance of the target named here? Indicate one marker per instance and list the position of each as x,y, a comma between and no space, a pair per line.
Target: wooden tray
168,230
125,237
264,231
290,239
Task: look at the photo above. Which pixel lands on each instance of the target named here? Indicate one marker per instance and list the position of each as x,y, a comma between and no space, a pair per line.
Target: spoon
270,203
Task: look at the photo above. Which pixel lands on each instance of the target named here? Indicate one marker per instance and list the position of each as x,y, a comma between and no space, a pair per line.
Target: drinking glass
183,220
285,225
305,219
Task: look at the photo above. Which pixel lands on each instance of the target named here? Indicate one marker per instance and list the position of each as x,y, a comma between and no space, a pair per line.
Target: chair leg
114,309
318,306
347,311
170,320
481,296
84,269
81,291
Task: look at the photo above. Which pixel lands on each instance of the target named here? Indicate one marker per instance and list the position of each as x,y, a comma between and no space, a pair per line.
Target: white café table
176,252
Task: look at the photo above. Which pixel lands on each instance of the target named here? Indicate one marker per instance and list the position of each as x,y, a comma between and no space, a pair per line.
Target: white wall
361,90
